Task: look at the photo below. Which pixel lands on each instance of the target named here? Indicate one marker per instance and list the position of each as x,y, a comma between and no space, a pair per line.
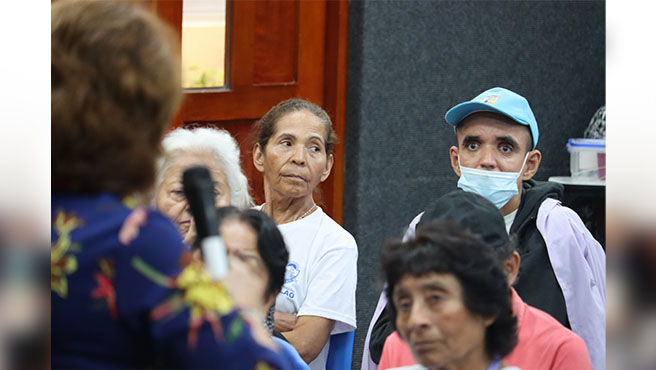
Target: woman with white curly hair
212,148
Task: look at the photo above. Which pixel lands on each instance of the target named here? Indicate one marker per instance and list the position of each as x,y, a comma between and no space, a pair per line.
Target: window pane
203,43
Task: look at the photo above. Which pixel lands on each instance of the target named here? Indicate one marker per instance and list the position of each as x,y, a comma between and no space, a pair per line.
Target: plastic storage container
587,158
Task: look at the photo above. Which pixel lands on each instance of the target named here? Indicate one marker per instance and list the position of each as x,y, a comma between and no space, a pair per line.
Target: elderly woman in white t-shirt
294,152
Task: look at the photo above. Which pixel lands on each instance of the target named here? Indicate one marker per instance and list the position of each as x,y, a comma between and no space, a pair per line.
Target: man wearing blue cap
563,267
497,134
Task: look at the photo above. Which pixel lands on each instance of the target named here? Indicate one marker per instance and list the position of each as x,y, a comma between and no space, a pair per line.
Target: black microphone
199,190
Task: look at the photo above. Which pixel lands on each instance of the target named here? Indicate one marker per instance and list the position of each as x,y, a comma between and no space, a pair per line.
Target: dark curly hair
115,85
442,246
270,243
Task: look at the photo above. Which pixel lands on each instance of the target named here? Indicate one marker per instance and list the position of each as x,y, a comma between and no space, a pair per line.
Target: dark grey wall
410,61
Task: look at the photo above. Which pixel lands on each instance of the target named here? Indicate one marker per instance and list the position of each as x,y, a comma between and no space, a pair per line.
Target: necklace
314,205
307,212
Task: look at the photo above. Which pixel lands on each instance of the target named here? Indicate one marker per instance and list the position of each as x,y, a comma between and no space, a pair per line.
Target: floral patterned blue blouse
126,294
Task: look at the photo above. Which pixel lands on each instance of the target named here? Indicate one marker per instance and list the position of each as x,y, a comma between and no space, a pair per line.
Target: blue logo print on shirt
291,273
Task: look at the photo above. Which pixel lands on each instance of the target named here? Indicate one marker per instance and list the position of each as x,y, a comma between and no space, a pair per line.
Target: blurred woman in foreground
124,292
449,299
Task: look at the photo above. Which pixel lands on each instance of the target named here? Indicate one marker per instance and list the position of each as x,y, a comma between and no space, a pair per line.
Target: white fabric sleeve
331,289
579,264
410,232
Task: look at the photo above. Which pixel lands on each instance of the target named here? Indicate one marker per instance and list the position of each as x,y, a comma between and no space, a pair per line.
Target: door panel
275,43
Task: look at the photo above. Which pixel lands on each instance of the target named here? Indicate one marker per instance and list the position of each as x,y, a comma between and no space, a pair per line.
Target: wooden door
275,50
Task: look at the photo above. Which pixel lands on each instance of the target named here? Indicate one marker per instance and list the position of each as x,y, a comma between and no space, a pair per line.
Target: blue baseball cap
497,100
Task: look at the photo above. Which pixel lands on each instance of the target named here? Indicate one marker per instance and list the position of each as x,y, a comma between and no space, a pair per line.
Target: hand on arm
309,336
284,322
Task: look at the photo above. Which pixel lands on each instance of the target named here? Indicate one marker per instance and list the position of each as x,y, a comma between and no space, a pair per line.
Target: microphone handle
198,189
214,253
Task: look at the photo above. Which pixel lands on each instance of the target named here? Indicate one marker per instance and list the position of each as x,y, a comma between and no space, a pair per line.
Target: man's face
492,142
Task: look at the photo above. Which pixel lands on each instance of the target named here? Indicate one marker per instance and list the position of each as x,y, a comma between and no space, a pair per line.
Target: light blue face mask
497,187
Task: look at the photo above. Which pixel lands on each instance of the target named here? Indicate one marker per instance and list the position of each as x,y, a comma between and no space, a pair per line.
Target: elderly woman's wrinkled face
170,198
433,319
294,160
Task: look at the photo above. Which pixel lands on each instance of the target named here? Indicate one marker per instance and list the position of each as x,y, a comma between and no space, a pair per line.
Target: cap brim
456,114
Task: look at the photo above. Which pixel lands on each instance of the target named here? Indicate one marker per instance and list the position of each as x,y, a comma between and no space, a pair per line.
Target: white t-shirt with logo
321,275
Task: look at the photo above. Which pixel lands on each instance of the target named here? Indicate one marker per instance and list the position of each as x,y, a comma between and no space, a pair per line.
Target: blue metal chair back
340,352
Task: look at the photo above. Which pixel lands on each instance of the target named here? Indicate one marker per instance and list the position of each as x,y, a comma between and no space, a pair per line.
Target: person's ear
532,164
453,154
329,166
258,157
511,267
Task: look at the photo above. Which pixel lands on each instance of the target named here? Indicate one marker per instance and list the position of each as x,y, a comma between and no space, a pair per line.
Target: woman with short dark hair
450,299
257,257
264,252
